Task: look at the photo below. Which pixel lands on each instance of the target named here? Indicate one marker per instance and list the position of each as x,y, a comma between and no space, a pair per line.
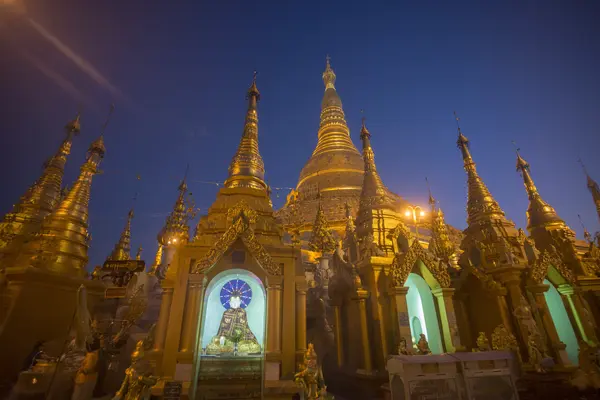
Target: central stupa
333,175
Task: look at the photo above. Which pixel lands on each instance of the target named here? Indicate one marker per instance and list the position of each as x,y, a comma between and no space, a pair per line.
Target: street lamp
416,212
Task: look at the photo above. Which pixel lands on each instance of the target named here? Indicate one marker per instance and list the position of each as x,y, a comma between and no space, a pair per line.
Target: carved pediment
242,216
403,264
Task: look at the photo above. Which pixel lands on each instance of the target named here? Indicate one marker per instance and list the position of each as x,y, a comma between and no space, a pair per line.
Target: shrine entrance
231,342
559,315
422,313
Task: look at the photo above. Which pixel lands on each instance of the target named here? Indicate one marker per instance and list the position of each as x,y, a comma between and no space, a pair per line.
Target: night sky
513,70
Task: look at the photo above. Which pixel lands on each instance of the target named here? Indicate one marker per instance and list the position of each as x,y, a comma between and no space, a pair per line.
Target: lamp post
416,213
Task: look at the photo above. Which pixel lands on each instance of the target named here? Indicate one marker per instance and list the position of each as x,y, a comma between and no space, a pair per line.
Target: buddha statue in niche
234,334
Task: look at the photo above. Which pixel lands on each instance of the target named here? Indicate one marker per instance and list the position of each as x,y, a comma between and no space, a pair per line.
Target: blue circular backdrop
236,287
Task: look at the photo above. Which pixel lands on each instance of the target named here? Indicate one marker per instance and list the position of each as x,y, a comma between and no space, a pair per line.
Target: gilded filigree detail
242,216
539,269
403,264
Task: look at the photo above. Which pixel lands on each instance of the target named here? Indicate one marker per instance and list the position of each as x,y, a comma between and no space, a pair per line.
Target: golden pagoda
339,265
333,176
38,202
47,264
233,299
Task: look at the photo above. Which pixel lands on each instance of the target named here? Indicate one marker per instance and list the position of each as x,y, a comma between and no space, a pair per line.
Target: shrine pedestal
457,376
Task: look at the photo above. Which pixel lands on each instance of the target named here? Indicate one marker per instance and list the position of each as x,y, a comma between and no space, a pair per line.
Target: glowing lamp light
34,381
422,213
407,213
175,240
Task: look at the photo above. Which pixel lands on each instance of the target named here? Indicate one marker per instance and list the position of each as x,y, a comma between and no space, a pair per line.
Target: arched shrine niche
559,315
422,313
234,315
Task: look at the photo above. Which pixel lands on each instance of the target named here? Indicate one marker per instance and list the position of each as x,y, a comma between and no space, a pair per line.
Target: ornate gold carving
321,240
488,282
242,217
502,339
403,264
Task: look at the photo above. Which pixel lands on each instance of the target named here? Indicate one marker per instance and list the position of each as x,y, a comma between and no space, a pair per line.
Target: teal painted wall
562,322
213,309
421,306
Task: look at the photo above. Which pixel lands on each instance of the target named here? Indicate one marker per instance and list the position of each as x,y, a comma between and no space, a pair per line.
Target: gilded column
515,293
190,317
558,347
504,313
361,298
577,312
163,318
447,318
338,334
274,315
301,317
402,312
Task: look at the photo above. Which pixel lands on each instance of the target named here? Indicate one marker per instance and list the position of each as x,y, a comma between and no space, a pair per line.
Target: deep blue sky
513,70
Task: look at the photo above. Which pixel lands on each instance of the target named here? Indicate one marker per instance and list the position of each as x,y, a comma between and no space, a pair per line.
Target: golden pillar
515,293
378,312
301,317
402,312
274,315
361,298
190,317
448,318
504,312
580,317
163,318
338,334
558,347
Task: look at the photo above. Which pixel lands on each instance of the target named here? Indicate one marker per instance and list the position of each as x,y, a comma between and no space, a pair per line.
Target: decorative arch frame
417,259
242,217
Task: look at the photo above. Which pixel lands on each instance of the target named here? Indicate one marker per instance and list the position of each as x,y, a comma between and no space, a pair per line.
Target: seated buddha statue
234,334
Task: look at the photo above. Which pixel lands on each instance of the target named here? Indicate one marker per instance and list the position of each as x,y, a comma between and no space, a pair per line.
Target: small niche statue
423,345
310,377
483,343
535,354
137,382
402,347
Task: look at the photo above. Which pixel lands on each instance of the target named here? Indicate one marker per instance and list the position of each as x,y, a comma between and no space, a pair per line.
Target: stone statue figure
483,343
310,377
402,347
234,334
423,345
137,382
525,317
535,354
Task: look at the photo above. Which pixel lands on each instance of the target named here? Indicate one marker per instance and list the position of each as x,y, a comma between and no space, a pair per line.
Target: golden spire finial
328,75
122,249
372,184
138,255
539,213
176,229
480,203
157,260
247,168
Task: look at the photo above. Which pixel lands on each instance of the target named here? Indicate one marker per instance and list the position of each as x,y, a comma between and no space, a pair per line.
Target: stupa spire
592,187
247,168
157,259
63,242
41,198
122,250
321,239
372,184
480,204
176,227
539,213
